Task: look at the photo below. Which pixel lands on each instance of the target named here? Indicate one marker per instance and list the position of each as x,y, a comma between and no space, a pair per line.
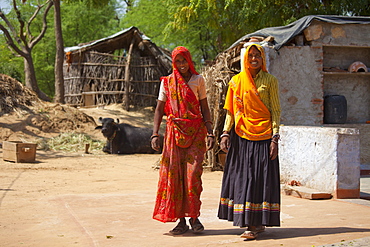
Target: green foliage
205,27
208,27
155,19
80,24
88,3
151,17
9,63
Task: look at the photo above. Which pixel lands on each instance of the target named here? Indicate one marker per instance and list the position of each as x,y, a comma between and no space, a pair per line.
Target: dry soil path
66,200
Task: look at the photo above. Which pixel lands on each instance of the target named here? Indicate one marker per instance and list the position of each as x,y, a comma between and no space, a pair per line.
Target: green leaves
205,27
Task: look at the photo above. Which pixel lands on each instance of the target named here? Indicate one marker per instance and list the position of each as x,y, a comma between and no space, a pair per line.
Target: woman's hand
210,142
155,143
158,115
225,142
274,149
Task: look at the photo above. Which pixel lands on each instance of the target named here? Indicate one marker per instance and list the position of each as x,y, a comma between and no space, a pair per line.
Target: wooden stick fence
101,79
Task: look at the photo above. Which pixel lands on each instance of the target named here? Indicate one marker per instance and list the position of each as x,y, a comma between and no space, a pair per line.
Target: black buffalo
124,138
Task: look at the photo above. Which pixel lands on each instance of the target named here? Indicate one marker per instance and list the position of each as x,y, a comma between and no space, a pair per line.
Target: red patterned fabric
180,183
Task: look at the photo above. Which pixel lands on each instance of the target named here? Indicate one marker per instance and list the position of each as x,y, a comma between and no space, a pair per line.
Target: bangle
274,141
208,121
276,136
153,136
211,135
224,134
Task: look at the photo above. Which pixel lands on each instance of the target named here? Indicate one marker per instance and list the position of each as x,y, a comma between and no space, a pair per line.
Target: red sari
180,183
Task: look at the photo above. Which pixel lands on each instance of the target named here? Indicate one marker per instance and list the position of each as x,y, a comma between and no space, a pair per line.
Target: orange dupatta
252,118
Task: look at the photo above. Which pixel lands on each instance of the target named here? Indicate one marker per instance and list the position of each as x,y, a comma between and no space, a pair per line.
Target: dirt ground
78,199
95,199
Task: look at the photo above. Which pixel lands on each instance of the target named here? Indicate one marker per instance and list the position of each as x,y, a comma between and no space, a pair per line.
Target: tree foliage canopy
80,24
206,27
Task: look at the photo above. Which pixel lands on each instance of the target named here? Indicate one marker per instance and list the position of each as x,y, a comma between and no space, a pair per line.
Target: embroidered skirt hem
250,192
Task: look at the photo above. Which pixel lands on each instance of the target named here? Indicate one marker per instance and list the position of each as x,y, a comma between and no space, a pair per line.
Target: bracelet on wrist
274,141
154,136
225,134
276,136
211,135
208,121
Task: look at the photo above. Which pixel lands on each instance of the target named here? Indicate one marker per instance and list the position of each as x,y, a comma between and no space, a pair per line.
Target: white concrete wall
364,130
348,160
323,158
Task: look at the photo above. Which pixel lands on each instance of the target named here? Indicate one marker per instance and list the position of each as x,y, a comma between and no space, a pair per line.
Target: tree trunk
59,56
127,74
30,77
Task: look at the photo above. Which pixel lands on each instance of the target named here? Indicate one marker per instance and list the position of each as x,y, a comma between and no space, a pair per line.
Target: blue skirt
250,192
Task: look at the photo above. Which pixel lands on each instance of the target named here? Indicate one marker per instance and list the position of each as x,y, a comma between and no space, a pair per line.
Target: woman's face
254,59
181,64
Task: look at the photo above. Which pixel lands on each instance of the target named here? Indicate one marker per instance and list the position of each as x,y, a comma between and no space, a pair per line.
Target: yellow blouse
268,89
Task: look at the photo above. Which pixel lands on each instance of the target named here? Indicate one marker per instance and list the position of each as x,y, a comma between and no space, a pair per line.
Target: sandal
181,228
249,235
196,226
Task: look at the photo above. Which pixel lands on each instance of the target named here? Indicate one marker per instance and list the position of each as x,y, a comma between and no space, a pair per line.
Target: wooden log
127,74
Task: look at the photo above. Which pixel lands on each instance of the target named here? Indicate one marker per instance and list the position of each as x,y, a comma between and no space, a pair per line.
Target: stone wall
319,33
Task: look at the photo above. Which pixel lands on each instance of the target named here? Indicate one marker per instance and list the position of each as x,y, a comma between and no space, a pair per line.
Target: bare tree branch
9,36
44,25
21,26
33,17
9,25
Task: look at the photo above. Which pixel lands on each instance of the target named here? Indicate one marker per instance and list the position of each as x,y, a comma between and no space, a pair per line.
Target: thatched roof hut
123,68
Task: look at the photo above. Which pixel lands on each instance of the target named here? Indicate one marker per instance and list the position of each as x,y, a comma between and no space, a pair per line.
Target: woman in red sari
182,97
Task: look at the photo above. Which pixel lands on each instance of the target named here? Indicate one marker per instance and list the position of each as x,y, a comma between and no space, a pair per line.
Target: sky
4,4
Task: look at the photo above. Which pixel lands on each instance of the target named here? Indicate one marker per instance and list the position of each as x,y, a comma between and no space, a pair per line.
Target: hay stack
15,96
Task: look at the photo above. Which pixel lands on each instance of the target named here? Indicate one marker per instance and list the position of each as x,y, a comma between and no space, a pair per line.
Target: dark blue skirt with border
250,192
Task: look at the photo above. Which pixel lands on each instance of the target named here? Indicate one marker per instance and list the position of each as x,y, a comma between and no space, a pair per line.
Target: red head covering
186,54
182,106
184,148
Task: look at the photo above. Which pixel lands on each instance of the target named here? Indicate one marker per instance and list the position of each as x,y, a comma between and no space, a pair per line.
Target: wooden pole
127,73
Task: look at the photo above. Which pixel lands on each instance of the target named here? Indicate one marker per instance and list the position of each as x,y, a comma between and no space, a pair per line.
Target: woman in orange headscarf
250,193
189,133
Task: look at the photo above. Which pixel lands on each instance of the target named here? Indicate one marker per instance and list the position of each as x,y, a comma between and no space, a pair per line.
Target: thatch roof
122,40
